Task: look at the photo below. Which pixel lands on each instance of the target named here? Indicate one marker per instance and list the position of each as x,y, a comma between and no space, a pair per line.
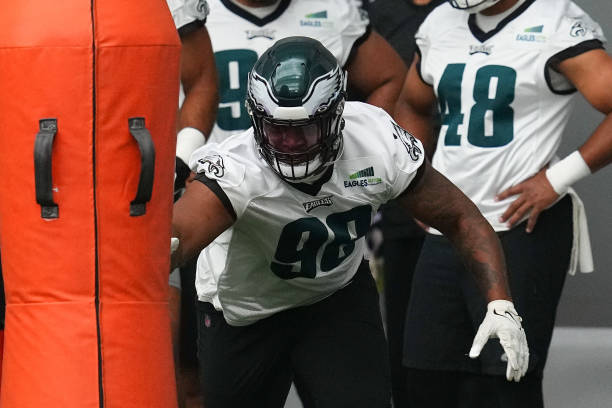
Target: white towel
582,255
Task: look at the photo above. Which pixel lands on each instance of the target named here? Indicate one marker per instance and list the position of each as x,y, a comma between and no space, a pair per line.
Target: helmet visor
291,139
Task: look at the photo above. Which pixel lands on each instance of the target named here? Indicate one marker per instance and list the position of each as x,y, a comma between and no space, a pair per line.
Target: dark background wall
587,298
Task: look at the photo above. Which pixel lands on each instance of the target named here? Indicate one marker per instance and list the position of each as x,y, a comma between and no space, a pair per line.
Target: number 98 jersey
238,38
503,105
293,246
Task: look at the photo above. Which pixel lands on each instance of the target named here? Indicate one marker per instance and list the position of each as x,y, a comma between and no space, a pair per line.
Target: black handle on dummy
147,166
43,177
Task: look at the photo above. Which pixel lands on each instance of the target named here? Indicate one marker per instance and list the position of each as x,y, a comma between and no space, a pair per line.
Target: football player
503,74
278,216
241,30
198,105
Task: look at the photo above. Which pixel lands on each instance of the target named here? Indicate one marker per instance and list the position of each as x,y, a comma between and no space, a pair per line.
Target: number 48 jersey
293,246
238,38
503,106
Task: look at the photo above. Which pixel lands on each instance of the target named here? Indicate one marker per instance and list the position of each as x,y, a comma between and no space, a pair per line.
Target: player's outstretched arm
377,72
198,218
591,74
437,202
415,106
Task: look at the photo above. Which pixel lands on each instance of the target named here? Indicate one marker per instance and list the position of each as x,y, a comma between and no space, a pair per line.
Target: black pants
446,307
334,349
461,389
188,327
400,255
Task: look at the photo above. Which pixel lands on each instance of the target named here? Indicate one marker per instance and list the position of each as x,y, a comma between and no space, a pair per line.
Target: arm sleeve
224,173
576,34
188,15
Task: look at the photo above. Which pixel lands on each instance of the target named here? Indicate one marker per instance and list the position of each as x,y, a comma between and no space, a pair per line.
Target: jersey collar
260,22
314,187
483,36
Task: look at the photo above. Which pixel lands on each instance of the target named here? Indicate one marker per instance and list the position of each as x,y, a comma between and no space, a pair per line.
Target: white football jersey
288,248
503,106
238,39
188,12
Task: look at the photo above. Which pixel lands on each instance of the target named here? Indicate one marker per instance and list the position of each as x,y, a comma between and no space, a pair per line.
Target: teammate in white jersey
198,103
281,212
241,30
503,75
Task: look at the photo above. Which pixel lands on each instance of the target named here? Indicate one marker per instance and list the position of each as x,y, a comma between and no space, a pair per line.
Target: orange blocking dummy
88,95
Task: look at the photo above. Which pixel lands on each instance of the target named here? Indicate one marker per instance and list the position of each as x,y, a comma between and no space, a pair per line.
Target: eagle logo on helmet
320,96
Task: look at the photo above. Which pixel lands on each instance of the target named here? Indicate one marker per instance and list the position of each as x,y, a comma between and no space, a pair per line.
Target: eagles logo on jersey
295,101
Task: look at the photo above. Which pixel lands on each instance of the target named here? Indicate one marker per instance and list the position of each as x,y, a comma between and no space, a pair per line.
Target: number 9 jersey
239,38
295,244
503,105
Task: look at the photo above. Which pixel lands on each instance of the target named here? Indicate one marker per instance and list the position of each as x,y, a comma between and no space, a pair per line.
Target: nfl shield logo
206,320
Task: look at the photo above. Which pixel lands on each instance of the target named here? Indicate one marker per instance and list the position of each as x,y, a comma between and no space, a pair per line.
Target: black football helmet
295,99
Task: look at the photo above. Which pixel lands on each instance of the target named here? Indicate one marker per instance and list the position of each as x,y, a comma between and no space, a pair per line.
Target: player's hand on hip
502,321
534,196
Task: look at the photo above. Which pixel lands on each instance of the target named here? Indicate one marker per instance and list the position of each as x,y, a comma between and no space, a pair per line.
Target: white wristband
566,172
188,139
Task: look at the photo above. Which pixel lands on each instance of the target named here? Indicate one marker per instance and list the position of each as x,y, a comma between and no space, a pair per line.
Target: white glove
502,321
174,244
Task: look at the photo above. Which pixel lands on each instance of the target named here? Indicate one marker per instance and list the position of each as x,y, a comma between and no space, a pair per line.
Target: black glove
182,172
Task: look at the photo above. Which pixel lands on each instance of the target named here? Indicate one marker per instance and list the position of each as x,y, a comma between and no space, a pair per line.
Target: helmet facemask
299,150
472,6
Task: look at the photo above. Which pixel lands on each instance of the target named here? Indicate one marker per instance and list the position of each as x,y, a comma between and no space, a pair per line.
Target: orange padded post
88,95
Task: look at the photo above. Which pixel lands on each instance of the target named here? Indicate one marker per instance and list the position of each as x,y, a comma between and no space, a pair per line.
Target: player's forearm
439,203
386,94
178,255
200,107
597,151
482,254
